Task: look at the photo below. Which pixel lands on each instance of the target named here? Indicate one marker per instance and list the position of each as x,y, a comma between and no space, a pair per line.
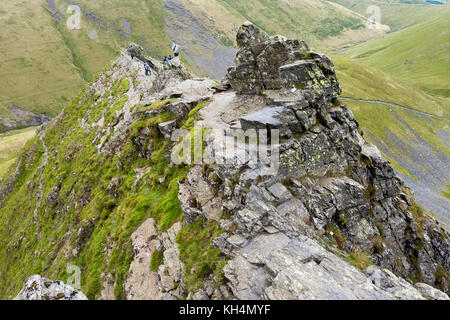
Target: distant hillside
44,63
396,14
406,71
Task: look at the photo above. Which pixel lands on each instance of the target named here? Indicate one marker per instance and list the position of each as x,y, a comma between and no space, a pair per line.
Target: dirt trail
211,114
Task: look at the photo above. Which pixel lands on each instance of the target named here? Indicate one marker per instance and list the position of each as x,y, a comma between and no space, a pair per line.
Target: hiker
166,59
169,58
133,55
147,69
175,48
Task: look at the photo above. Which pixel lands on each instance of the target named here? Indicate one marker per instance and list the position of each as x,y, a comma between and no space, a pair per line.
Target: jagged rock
180,109
264,62
196,197
83,235
113,186
351,189
171,272
272,118
276,267
167,128
430,293
249,35
398,287
107,292
267,118
38,288
280,192
139,53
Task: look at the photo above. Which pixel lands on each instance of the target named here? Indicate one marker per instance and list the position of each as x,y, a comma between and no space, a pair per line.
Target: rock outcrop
38,288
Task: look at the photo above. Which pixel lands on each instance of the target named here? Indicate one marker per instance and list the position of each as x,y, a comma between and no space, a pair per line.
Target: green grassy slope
418,55
394,14
36,71
11,145
363,82
45,64
323,25
38,236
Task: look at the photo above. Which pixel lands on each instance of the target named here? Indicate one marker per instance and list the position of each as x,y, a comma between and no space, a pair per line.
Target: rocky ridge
310,231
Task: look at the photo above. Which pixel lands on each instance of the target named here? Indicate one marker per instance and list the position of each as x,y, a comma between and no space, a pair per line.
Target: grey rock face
250,35
266,118
277,267
38,288
430,293
264,63
171,272
83,235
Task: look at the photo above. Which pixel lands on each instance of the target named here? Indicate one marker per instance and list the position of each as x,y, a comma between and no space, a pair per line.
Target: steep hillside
418,55
322,24
414,75
45,63
103,187
37,70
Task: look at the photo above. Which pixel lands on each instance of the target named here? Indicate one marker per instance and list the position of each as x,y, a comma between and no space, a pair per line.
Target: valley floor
11,144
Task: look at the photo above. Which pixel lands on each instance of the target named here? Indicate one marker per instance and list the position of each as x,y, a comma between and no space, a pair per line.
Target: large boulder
272,63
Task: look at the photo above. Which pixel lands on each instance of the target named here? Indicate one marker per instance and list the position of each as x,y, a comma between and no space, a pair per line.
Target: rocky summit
326,218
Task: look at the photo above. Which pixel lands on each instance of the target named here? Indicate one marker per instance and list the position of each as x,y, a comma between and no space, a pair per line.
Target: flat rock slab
267,118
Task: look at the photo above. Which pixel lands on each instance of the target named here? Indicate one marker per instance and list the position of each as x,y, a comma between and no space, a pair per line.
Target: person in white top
175,48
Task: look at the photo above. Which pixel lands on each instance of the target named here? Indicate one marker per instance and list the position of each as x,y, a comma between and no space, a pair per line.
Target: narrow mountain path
211,113
395,105
41,178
